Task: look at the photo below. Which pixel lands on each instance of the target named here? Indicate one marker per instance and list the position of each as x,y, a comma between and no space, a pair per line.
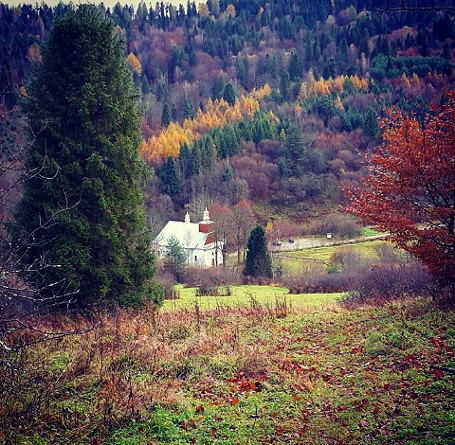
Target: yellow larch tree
249,106
133,62
303,92
338,104
330,84
203,10
360,83
230,11
338,84
321,87
262,92
218,113
405,81
415,81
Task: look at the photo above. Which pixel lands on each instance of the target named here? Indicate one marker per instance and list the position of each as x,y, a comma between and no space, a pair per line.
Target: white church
198,240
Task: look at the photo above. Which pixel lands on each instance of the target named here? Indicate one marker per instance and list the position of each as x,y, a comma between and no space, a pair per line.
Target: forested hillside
276,103
285,119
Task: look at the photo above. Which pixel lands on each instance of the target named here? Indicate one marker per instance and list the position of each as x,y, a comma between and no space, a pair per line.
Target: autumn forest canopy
275,105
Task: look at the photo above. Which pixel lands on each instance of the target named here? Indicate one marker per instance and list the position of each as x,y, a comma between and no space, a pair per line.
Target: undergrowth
254,374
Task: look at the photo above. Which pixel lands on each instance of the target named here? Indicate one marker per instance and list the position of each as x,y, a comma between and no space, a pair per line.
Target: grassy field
246,295
319,258
368,231
324,253
249,374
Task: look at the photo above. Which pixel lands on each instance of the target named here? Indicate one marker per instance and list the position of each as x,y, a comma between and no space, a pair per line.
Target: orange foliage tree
218,113
410,191
322,87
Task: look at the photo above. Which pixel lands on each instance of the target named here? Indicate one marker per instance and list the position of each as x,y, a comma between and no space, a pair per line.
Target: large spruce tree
82,208
258,262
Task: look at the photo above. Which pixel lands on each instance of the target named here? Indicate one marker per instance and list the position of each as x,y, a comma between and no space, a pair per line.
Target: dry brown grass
256,367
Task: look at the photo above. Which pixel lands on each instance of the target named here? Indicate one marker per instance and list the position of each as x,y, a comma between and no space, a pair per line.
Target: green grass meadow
246,295
318,259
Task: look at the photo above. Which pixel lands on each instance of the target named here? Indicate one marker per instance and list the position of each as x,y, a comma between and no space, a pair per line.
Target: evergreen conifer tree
228,173
168,176
184,160
208,151
176,258
285,84
229,94
295,66
295,150
166,116
258,262
230,140
174,112
195,160
188,110
217,87
83,207
371,123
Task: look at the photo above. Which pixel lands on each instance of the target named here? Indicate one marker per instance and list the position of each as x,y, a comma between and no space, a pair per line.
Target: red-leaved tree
410,191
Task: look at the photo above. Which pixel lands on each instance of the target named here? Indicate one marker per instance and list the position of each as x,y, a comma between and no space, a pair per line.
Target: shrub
387,253
259,280
334,282
214,277
216,291
340,225
168,282
348,258
388,282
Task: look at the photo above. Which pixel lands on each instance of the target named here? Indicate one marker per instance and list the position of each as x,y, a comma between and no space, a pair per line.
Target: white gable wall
194,242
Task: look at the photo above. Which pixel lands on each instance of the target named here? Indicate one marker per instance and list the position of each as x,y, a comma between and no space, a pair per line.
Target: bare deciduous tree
243,223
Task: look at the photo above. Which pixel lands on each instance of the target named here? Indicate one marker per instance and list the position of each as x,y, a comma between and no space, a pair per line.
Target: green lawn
368,231
246,295
364,249
317,258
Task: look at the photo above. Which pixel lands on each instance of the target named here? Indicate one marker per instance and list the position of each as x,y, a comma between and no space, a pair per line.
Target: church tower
206,225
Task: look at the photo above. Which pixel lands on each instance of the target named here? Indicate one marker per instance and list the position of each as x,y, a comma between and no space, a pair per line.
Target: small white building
198,240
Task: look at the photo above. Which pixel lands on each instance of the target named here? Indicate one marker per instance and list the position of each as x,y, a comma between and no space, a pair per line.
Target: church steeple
187,218
206,225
